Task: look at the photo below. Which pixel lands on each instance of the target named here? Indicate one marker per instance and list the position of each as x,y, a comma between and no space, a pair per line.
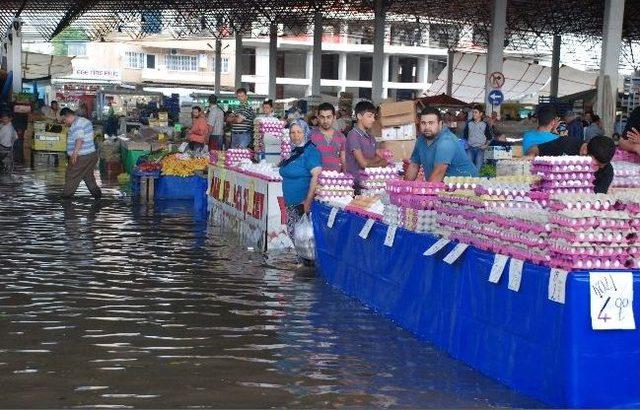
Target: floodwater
105,305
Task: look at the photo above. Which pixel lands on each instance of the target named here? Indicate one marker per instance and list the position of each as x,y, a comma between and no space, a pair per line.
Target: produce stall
247,199
529,278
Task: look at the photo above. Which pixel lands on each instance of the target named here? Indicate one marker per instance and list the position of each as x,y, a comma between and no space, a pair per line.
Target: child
602,149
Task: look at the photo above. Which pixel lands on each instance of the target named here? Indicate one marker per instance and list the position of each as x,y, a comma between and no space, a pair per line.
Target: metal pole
377,75
273,59
218,66
16,55
496,44
317,54
238,63
555,66
450,55
611,39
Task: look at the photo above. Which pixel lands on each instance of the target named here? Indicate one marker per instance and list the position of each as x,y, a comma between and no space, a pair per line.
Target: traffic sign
496,97
496,79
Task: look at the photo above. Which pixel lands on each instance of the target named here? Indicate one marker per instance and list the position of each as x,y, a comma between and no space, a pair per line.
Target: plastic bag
183,147
303,239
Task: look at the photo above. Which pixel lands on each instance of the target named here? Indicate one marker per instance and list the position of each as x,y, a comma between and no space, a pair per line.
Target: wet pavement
109,305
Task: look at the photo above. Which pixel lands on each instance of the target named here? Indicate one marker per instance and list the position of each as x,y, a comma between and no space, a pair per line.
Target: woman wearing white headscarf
299,176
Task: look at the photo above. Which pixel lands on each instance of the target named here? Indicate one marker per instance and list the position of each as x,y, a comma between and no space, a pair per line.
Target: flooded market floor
105,305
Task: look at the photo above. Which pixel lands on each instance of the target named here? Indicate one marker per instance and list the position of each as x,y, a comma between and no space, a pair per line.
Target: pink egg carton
415,187
587,237
573,263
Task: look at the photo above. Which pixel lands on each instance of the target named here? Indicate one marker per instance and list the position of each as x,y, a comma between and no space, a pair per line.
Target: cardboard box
398,133
398,113
498,152
401,149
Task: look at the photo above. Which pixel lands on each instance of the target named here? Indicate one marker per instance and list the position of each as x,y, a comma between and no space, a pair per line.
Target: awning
523,80
36,66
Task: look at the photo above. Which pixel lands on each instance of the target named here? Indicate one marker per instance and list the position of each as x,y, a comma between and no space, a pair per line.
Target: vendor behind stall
438,151
330,142
361,146
52,112
630,138
198,136
299,177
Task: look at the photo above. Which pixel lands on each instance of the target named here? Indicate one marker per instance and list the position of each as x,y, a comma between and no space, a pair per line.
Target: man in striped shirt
241,121
330,142
82,155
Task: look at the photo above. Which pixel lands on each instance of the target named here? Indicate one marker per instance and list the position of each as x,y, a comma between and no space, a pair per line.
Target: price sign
332,217
441,243
391,235
364,233
499,263
611,300
515,274
455,253
557,285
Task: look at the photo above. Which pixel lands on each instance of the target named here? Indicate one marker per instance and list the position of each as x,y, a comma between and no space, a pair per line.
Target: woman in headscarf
299,176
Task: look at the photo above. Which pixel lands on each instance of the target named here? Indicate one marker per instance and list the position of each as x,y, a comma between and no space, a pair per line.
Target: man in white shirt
52,112
215,119
8,136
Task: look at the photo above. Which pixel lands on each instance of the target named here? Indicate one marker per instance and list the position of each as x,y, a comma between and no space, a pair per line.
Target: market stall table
253,207
521,338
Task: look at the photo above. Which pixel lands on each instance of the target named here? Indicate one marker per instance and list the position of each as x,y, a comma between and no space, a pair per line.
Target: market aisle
105,305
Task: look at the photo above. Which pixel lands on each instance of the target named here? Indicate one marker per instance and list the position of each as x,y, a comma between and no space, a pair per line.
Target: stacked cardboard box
395,129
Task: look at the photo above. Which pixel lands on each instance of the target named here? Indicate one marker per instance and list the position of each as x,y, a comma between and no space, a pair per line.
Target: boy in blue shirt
547,122
438,150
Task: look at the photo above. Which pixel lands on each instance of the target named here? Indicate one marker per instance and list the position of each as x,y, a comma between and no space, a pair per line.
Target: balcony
162,75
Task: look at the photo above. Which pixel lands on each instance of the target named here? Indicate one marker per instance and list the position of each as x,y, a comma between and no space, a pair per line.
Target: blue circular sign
496,97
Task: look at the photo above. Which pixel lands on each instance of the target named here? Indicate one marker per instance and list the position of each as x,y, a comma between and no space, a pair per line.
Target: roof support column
342,70
608,80
273,59
496,45
238,62
218,66
15,52
555,66
450,55
317,53
378,72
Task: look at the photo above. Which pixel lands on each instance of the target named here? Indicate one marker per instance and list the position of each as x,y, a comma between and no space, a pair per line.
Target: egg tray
597,236
573,263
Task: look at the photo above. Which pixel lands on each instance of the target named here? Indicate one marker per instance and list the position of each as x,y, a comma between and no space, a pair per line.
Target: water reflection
104,305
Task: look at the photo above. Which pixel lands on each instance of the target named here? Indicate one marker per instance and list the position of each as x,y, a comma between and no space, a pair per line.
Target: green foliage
488,171
69,34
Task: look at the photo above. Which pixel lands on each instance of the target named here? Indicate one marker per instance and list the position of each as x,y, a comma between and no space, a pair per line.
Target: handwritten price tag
455,253
364,233
611,300
499,263
391,235
557,285
436,247
332,217
515,274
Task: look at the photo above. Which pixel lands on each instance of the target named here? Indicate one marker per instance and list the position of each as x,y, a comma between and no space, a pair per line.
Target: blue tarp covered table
532,344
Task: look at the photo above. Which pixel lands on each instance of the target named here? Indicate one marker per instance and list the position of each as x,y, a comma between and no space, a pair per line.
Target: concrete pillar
385,78
342,70
377,76
317,54
555,66
496,45
608,80
16,55
309,71
238,63
273,59
450,56
217,66
423,70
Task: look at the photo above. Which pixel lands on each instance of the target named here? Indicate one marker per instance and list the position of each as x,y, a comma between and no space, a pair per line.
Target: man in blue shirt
438,151
82,155
547,122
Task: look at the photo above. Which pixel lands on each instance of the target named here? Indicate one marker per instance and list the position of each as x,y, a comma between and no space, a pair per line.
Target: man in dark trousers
82,155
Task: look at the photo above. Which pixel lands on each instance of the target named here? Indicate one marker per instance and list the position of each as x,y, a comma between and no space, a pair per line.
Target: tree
69,34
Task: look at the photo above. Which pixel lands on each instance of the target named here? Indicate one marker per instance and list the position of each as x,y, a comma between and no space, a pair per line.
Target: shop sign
105,74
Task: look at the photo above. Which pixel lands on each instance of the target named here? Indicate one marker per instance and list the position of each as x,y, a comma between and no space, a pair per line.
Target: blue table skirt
536,346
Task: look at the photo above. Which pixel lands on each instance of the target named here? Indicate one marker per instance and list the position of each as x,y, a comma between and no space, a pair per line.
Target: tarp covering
36,66
522,80
538,347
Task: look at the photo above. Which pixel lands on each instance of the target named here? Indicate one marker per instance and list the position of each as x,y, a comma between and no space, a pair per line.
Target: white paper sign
391,235
515,274
557,285
332,217
441,243
499,263
455,253
364,233
611,300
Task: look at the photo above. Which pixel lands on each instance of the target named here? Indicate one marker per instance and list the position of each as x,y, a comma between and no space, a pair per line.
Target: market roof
140,18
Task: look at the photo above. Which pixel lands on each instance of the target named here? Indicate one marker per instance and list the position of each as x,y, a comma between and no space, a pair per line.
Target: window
151,61
77,49
182,63
133,60
225,65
